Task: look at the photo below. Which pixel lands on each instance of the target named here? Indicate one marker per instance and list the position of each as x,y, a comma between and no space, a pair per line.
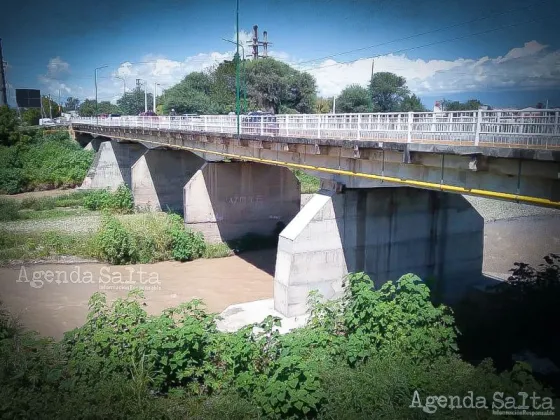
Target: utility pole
370,84
255,43
59,103
50,107
3,91
237,87
155,94
334,105
96,108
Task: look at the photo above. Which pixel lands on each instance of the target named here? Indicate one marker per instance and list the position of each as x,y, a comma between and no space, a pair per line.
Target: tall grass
309,184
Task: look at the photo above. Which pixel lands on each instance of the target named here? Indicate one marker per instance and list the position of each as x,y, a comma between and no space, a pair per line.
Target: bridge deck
499,128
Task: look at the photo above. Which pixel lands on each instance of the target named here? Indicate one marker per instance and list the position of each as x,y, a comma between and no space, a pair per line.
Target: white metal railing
505,128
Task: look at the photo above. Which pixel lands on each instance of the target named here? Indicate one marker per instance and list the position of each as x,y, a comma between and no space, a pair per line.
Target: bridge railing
502,128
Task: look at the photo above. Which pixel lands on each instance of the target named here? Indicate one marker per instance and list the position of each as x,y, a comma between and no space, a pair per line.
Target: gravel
76,224
491,210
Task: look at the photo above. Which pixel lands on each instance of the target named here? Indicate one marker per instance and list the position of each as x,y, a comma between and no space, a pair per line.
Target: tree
470,105
387,91
353,98
132,103
412,103
50,107
87,108
9,134
72,104
270,86
323,106
31,116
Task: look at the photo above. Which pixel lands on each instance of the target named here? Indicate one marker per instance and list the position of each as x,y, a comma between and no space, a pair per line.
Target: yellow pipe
422,184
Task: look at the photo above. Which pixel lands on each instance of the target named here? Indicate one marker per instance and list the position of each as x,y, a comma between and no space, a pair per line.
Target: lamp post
96,110
155,95
244,79
124,83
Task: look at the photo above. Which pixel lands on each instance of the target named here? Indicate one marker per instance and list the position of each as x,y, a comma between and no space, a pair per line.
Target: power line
425,45
420,34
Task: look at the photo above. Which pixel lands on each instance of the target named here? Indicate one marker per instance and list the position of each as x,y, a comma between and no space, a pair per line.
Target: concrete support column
225,201
112,165
385,232
159,176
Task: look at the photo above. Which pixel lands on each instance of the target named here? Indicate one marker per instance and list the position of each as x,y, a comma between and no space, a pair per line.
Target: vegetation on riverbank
35,160
360,357
309,184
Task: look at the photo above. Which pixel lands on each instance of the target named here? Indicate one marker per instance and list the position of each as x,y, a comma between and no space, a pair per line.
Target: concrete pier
385,232
158,178
112,165
225,201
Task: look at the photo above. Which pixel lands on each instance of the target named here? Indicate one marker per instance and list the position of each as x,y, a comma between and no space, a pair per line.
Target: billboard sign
28,98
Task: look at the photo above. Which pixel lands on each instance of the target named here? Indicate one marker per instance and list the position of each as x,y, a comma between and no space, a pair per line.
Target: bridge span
229,181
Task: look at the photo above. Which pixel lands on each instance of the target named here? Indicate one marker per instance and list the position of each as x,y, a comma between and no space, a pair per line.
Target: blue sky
58,46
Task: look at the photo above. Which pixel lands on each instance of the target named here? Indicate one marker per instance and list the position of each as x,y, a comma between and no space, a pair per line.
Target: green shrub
357,358
12,178
114,243
9,209
309,184
186,244
120,201
55,161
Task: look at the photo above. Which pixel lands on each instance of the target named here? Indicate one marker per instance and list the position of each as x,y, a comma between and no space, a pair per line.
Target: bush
186,244
114,244
309,184
42,161
9,209
55,161
120,201
178,365
11,173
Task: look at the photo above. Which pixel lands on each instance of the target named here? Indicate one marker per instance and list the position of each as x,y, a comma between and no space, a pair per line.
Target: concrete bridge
391,191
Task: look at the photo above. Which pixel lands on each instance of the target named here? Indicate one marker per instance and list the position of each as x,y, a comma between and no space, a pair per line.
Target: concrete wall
225,201
159,176
385,232
112,165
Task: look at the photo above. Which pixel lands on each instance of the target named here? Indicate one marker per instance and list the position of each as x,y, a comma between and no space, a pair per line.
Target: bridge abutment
226,201
385,232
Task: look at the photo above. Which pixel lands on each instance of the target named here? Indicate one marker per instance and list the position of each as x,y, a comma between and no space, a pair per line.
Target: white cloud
56,78
529,67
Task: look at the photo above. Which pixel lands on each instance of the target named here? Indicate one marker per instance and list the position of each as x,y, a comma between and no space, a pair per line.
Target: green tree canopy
87,108
9,123
323,105
31,116
270,85
387,91
470,105
353,98
50,107
411,103
132,103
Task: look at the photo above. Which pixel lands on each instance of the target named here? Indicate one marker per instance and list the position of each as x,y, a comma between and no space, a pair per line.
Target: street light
124,83
96,111
244,82
155,95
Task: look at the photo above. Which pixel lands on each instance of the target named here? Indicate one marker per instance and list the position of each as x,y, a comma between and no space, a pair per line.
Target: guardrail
498,128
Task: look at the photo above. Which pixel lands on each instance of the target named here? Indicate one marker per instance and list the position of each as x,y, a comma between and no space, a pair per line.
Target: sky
504,52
